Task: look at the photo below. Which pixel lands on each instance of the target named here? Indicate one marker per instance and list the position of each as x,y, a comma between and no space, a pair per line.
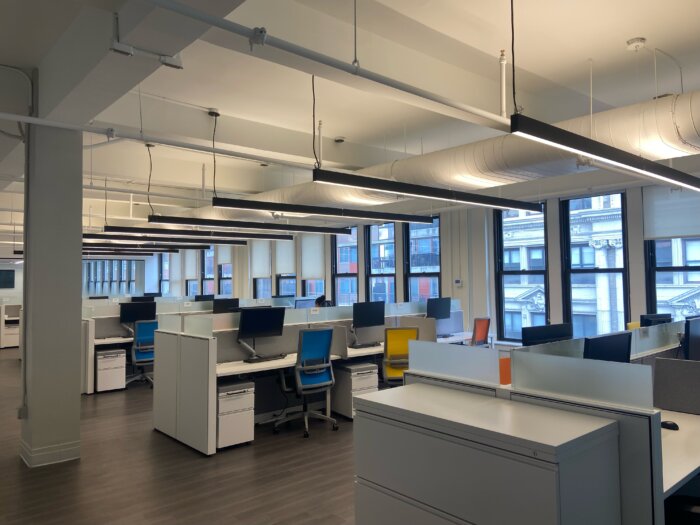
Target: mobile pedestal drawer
352,380
236,421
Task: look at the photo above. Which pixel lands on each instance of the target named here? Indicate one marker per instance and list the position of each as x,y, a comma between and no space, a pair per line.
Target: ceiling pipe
259,36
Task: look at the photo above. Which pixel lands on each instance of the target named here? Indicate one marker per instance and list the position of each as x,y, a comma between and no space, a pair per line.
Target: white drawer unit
111,370
236,418
437,455
352,380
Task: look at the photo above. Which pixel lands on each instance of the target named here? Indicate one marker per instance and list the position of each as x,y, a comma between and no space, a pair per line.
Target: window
594,264
192,287
132,278
521,272
226,279
344,268
262,288
381,263
422,260
286,284
164,273
124,278
313,287
673,277
207,269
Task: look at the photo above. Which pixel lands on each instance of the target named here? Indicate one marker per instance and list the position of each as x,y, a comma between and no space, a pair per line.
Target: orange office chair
480,334
396,352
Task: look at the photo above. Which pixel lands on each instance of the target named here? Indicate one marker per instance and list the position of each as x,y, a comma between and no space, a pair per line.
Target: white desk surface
653,351
113,340
680,450
455,338
239,367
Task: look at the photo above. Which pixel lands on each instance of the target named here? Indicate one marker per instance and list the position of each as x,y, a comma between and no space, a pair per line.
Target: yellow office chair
396,352
633,325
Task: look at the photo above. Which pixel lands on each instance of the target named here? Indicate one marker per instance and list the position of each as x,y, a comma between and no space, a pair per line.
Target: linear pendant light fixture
207,234
418,191
324,211
246,225
146,246
164,240
544,133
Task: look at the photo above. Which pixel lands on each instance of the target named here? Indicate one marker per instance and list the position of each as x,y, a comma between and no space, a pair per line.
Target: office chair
142,350
480,334
396,352
313,374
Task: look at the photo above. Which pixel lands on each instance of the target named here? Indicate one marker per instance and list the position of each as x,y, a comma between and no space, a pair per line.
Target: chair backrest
480,334
396,351
144,336
313,371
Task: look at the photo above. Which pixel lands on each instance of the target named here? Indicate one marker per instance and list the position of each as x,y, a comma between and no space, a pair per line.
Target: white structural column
52,297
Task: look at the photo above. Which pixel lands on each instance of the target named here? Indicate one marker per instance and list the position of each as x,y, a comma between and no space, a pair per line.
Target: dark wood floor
130,473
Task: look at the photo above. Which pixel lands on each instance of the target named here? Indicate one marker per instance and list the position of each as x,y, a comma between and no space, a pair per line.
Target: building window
521,272
262,288
673,277
226,279
594,264
313,287
344,268
164,273
207,272
192,286
132,278
381,263
286,284
422,261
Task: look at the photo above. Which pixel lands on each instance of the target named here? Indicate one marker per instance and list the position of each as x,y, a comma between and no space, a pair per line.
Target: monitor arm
250,349
128,328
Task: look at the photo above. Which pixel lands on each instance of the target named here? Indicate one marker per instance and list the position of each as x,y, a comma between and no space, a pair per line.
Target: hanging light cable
512,52
317,164
150,173
215,114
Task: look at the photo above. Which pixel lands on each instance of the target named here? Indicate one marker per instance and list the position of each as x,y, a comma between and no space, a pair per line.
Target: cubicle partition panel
452,325
476,363
676,385
425,325
166,365
87,356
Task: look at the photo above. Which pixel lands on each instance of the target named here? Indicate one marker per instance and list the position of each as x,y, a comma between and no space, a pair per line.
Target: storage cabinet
236,419
352,380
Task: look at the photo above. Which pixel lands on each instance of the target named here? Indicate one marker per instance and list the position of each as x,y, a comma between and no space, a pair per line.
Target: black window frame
334,269
651,271
223,279
368,261
501,273
407,275
285,276
567,271
202,271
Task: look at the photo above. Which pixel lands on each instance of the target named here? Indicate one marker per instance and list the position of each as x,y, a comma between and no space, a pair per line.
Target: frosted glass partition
293,316
227,321
170,322
335,313
101,310
568,348
618,383
196,306
244,303
11,299
394,309
473,363
202,325
168,307
283,301
455,305
654,337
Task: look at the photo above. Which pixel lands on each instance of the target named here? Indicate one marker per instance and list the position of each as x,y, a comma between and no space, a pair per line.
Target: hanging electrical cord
150,173
512,53
215,114
317,163
105,201
355,62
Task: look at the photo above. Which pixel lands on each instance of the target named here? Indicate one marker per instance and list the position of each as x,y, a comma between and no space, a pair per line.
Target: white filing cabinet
352,380
111,370
434,455
236,419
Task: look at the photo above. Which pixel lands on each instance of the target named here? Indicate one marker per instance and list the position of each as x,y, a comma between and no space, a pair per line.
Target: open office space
350,262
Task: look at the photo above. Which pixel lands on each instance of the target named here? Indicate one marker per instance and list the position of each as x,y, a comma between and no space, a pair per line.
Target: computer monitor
208,297
537,335
142,299
654,319
153,294
692,338
222,306
98,297
261,322
132,312
304,303
439,308
368,314
611,347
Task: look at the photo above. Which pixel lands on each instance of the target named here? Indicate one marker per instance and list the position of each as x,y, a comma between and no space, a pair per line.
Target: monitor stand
254,357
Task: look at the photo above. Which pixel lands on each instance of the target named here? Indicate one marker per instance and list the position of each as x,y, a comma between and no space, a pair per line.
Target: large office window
673,276
286,284
594,264
422,261
344,268
261,268
521,272
164,273
381,263
207,269
262,287
226,279
192,286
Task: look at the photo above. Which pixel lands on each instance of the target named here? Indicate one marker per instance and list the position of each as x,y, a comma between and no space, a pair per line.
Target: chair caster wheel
306,434
335,428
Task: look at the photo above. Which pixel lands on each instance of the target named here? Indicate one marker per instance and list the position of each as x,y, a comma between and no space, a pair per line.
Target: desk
680,450
113,341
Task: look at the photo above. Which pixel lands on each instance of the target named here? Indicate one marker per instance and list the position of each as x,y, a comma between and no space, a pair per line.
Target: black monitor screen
153,294
368,314
222,306
611,347
692,338
439,308
199,298
143,299
304,303
261,322
132,312
654,319
7,278
98,297
537,335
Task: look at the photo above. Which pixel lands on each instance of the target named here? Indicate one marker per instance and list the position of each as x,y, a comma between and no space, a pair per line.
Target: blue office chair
313,374
142,350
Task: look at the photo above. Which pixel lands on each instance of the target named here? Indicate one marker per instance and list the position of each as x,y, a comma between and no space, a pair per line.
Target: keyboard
263,358
365,345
